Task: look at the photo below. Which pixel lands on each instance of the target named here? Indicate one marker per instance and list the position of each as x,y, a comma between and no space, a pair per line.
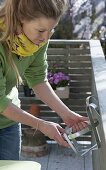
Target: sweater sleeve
37,72
4,101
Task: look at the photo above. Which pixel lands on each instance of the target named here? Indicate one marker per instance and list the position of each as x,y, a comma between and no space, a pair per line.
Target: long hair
15,11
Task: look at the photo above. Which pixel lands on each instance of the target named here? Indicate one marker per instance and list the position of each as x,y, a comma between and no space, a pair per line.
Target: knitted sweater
33,68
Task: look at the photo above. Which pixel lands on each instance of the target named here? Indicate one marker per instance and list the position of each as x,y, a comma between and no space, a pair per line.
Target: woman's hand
53,131
76,121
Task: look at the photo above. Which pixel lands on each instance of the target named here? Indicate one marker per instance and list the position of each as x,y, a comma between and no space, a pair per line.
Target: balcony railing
85,62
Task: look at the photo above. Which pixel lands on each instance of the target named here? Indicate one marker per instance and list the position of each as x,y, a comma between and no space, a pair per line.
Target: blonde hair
14,11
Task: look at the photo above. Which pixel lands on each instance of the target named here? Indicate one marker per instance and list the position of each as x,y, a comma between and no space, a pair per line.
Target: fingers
79,126
61,141
61,130
83,118
55,131
59,137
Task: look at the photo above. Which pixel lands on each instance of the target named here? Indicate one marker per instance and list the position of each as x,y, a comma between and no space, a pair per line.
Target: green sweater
33,68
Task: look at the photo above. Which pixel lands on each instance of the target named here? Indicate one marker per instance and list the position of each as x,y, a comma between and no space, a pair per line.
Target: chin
36,43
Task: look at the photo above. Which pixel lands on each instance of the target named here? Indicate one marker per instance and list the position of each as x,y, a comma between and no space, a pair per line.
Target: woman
25,27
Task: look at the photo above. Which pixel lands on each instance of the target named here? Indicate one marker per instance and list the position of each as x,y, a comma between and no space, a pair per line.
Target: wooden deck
60,158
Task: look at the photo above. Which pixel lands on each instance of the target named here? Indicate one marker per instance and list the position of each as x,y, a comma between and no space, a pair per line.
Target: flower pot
34,110
28,92
62,92
33,143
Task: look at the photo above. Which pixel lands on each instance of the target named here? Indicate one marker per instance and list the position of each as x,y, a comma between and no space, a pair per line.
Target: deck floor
60,158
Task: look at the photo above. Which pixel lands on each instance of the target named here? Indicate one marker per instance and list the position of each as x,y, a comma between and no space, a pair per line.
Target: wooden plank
72,57
51,118
79,58
78,51
74,51
79,96
64,158
88,162
78,107
79,70
80,83
54,62
60,158
79,64
73,101
75,70
80,89
56,51
79,76
55,57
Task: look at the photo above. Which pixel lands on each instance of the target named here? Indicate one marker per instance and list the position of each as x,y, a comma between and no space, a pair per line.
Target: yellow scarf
22,46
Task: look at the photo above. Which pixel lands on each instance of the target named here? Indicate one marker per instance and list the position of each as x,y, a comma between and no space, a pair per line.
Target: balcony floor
60,158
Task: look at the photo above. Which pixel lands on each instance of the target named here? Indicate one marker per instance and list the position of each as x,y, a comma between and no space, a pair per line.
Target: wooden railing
73,58
84,61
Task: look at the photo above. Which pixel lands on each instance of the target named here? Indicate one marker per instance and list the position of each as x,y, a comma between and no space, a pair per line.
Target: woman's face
39,30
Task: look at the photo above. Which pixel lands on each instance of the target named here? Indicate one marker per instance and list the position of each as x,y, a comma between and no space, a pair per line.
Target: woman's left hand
76,121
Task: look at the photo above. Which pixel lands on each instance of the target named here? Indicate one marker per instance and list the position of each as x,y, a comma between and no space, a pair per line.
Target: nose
46,35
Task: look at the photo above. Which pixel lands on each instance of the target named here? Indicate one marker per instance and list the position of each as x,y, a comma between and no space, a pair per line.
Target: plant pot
62,92
34,110
34,143
28,92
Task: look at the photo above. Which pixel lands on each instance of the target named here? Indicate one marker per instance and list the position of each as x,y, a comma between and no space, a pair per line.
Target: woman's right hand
53,131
